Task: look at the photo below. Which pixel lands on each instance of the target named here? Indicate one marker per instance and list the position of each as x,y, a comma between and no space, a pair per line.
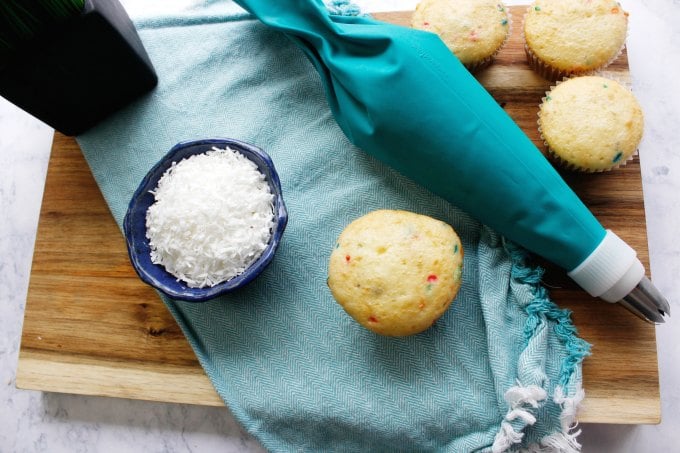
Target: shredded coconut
212,217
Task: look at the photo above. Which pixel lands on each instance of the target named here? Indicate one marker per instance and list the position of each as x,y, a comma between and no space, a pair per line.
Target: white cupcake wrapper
554,157
554,74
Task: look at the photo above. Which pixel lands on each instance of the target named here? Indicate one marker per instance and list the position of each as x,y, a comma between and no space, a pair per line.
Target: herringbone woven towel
499,371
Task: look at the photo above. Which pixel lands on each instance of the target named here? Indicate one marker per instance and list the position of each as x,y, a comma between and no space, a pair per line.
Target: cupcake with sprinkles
474,30
396,272
591,123
573,37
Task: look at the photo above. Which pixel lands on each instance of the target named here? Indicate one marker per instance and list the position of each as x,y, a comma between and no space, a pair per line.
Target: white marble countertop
34,422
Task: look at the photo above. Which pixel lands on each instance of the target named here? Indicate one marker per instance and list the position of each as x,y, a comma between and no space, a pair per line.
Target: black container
75,74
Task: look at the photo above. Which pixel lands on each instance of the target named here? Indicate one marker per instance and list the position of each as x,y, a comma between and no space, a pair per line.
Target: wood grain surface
92,327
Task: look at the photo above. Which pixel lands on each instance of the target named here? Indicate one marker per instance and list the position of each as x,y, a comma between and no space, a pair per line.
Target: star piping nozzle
647,302
614,273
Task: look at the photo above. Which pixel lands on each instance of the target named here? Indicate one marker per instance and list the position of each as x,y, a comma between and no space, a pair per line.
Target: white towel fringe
564,441
520,400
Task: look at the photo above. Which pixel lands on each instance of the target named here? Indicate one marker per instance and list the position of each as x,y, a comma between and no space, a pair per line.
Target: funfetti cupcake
396,272
591,123
474,30
571,37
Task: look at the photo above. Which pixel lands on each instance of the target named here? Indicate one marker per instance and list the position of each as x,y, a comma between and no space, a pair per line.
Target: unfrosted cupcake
591,123
567,37
396,272
474,30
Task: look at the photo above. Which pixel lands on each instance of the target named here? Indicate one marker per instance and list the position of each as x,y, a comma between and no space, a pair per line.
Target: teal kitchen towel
500,371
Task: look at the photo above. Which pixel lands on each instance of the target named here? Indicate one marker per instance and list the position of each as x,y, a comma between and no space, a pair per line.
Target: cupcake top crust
591,123
576,35
396,272
474,30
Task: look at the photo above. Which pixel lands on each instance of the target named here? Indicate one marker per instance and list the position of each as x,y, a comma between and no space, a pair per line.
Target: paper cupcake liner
479,65
546,71
554,74
486,62
554,157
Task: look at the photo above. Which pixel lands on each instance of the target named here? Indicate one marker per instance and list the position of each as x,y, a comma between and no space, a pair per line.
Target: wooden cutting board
92,327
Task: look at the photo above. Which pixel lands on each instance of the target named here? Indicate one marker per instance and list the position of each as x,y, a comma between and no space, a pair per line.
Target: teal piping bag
400,95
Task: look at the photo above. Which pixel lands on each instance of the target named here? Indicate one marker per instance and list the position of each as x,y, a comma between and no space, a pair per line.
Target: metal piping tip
647,302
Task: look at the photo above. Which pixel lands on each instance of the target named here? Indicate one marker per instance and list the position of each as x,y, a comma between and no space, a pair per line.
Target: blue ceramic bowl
134,224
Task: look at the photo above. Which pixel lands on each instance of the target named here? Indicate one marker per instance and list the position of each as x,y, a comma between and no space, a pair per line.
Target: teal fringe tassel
343,8
542,308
